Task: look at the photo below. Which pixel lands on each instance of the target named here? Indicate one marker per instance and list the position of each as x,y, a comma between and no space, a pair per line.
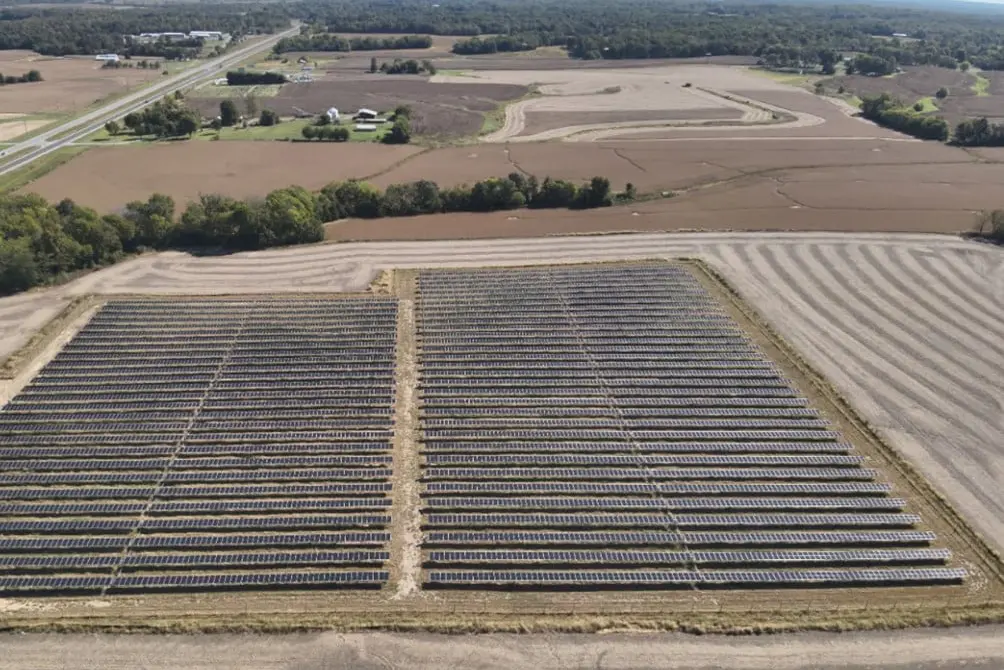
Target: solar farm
544,439
192,446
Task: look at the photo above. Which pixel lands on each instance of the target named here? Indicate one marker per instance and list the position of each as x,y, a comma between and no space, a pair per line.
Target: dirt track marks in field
909,327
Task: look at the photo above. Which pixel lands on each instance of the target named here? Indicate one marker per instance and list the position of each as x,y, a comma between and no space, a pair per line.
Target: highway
79,127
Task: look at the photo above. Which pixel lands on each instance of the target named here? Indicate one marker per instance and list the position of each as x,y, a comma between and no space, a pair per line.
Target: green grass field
928,105
211,91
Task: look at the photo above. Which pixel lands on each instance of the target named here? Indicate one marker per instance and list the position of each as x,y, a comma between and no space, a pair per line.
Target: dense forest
58,31
41,243
782,34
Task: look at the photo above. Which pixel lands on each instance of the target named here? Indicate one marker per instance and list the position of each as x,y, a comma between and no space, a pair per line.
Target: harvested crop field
439,109
106,178
69,84
11,127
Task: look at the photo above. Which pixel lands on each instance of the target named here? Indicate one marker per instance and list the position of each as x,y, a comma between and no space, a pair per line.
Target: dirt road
917,650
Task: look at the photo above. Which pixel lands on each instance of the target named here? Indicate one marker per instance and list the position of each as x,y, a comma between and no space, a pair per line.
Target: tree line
42,242
28,77
311,41
249,78
410,66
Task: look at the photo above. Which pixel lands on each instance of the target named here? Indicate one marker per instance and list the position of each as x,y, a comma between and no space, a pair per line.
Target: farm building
113,58
365,127
366,114
332,115
206,34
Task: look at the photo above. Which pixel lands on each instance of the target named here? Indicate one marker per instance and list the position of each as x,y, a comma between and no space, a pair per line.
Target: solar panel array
183,445
613,427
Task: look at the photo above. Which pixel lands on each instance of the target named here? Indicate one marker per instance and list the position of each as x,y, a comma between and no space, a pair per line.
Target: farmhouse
366,114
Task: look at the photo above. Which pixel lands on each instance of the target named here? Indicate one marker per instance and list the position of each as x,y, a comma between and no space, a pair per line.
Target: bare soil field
107,178
914,83
444,110
996,80
958,109
550,59
974,647
69,84
674,165
11,127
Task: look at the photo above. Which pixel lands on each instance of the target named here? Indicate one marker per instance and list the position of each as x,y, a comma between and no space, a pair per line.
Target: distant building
113,58
366,114
365,127
900,35
332,115
206,34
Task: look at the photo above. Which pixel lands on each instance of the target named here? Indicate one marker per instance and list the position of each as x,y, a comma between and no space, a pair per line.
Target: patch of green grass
929,105
806,80
258,91
37,169
981,86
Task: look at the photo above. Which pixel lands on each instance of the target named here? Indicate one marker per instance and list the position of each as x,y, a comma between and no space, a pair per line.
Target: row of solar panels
668,521
174,491
636,473
585,460
14,425
780,558
180,476
604,504
210,397
711,489
74,543
625,434
609,410
134,561
193,582
363,388
623,394
232,506
218,353
483,579
166,450
207,437
517,423
61,414
197,463
675,539
183,524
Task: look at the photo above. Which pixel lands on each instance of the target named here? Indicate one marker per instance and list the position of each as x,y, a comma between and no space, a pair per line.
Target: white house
366,114
332,115
114,58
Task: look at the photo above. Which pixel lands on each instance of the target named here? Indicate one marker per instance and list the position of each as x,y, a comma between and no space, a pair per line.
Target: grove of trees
409,66
168,117
891,113
249,78
26,78
41,242
978,133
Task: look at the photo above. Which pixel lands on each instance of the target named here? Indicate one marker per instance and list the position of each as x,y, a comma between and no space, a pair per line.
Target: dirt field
914,83
69,84
107,178
444,110
975,647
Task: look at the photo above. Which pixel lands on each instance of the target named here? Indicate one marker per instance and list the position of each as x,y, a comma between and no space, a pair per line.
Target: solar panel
691,539
701,579
501,520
